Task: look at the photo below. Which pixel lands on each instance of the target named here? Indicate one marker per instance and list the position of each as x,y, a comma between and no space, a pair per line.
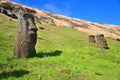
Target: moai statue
102,43
92,38
27,35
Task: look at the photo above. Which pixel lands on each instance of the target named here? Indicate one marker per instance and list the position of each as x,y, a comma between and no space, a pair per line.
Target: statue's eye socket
34,29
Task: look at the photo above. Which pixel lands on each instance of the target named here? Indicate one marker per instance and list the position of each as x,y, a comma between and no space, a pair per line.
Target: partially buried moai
102,43
92,39
27,35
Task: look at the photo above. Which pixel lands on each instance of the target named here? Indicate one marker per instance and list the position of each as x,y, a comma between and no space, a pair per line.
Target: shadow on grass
15,73
48,54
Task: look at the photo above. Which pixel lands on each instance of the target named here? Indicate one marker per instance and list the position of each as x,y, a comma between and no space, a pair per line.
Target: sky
101,11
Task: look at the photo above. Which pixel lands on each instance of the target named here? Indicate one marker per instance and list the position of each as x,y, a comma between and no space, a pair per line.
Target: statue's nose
33,29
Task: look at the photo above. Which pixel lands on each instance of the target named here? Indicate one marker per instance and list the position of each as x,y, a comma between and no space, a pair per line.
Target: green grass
63,54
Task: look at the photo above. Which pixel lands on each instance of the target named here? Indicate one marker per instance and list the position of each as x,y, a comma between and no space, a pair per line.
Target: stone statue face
30,29
27,35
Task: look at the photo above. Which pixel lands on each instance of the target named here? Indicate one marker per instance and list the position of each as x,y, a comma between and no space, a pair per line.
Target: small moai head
102,43
92,38
100,35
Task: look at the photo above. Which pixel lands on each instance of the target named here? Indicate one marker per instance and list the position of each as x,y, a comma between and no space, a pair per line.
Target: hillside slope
62,54
43,17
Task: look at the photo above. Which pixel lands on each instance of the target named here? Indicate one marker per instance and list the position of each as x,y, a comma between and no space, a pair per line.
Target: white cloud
16,0
54,9
63,8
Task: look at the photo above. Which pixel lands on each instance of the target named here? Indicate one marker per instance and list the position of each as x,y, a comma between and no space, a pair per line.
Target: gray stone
27,36
47,20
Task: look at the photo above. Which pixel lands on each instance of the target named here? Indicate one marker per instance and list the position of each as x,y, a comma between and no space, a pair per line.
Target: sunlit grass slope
63,54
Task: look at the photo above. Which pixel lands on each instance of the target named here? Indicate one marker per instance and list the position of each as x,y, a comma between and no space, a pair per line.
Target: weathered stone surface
102,43
10,9
92,38
27,36
47,20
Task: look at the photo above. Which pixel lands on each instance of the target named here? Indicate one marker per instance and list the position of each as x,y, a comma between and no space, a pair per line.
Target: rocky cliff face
43,17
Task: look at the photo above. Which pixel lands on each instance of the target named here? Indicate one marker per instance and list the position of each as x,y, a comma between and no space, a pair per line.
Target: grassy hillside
63,54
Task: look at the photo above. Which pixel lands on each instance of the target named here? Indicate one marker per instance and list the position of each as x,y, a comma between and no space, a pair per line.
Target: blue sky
102,11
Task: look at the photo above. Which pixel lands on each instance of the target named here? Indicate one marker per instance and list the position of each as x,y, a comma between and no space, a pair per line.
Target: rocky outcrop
46,20
43,17
7,9
11,9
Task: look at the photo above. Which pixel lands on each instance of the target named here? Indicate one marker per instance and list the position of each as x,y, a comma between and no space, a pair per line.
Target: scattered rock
118,39
47,20
84,25
42,28
111,30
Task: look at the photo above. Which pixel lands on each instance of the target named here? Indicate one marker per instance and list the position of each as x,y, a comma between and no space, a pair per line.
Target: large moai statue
27,35
102,43
92,39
